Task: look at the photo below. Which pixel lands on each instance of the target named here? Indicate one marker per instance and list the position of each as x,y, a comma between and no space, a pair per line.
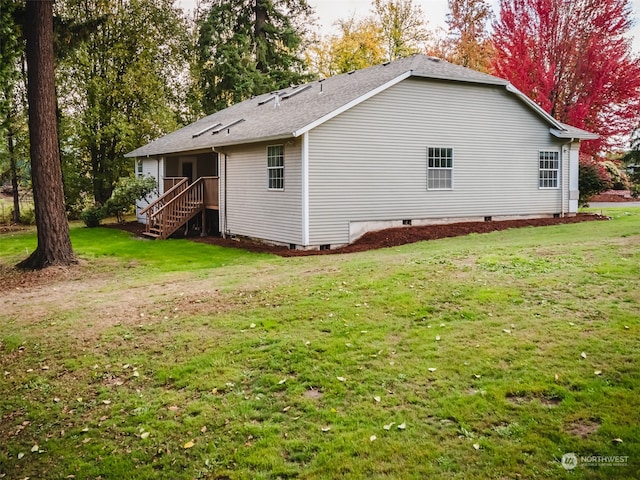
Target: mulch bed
617,196
391,237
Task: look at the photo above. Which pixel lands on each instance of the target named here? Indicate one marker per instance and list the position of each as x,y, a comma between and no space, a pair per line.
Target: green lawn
486,356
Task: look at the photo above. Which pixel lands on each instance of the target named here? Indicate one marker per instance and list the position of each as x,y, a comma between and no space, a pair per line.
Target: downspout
562,162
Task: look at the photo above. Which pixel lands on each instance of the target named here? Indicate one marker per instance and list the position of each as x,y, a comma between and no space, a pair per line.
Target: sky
328,11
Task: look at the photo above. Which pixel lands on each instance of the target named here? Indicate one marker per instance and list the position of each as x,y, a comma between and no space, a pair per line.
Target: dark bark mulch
391,237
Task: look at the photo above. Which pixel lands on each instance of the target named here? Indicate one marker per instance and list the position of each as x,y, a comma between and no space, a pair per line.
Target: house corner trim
305,189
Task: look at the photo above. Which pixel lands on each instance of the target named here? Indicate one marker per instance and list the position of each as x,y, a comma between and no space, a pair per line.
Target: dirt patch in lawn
391,237
582,428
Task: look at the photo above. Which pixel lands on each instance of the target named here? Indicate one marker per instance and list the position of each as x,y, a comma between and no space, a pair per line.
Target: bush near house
124,196
594,178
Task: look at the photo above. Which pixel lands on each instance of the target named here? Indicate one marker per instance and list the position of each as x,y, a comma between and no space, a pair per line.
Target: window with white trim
139,168
275,167
548,169
439,168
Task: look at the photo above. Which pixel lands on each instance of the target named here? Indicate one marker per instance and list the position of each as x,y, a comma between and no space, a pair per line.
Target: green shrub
92,216
127,191
593,179
28,216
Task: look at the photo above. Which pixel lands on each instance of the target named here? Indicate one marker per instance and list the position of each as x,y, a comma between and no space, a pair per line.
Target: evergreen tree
54,243
13,103
250,47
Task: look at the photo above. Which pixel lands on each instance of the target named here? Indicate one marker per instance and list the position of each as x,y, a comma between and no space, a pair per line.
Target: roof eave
246,141
489,80
578,135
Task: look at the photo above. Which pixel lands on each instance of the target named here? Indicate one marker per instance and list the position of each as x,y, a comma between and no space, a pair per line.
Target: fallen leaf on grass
35,448
20,455
342,379
437,338
203,429
402,426
377,398
617,440
583,355
432,369
144,435
189,444
282,381
106,402
388,426
597,372
286,409
476,446
325,429
372,438
506,330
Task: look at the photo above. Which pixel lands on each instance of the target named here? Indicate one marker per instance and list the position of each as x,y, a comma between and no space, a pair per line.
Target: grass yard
486,356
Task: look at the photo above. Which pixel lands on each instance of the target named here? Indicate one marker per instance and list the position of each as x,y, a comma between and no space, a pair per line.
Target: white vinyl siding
368,164
153,167
549,168
439,168
253,210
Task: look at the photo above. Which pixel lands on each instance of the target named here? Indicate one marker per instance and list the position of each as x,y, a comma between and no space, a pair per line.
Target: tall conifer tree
250,47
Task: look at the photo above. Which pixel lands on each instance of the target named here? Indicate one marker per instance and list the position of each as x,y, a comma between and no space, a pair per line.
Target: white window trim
273,189
557,170
453,156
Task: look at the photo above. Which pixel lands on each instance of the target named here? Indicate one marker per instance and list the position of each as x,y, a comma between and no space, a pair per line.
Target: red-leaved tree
572,58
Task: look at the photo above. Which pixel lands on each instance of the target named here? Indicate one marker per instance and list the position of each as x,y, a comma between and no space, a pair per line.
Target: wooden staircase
174,209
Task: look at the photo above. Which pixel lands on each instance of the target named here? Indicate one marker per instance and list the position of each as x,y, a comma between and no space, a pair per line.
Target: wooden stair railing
159,202
163,221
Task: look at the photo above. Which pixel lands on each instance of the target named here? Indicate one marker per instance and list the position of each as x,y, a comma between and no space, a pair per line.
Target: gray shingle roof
304,106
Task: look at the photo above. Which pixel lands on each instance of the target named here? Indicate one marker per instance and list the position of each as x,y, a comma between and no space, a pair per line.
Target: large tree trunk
54,244
14,175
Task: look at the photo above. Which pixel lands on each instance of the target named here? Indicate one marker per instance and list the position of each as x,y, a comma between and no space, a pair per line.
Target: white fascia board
246,141
352,103
536,107
577,134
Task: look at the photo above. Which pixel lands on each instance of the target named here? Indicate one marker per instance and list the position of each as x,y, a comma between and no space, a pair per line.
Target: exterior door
187,170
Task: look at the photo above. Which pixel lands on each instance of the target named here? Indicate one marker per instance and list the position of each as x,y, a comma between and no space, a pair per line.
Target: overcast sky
328,11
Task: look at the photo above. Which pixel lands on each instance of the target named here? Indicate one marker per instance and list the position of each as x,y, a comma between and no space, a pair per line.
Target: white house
414,141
